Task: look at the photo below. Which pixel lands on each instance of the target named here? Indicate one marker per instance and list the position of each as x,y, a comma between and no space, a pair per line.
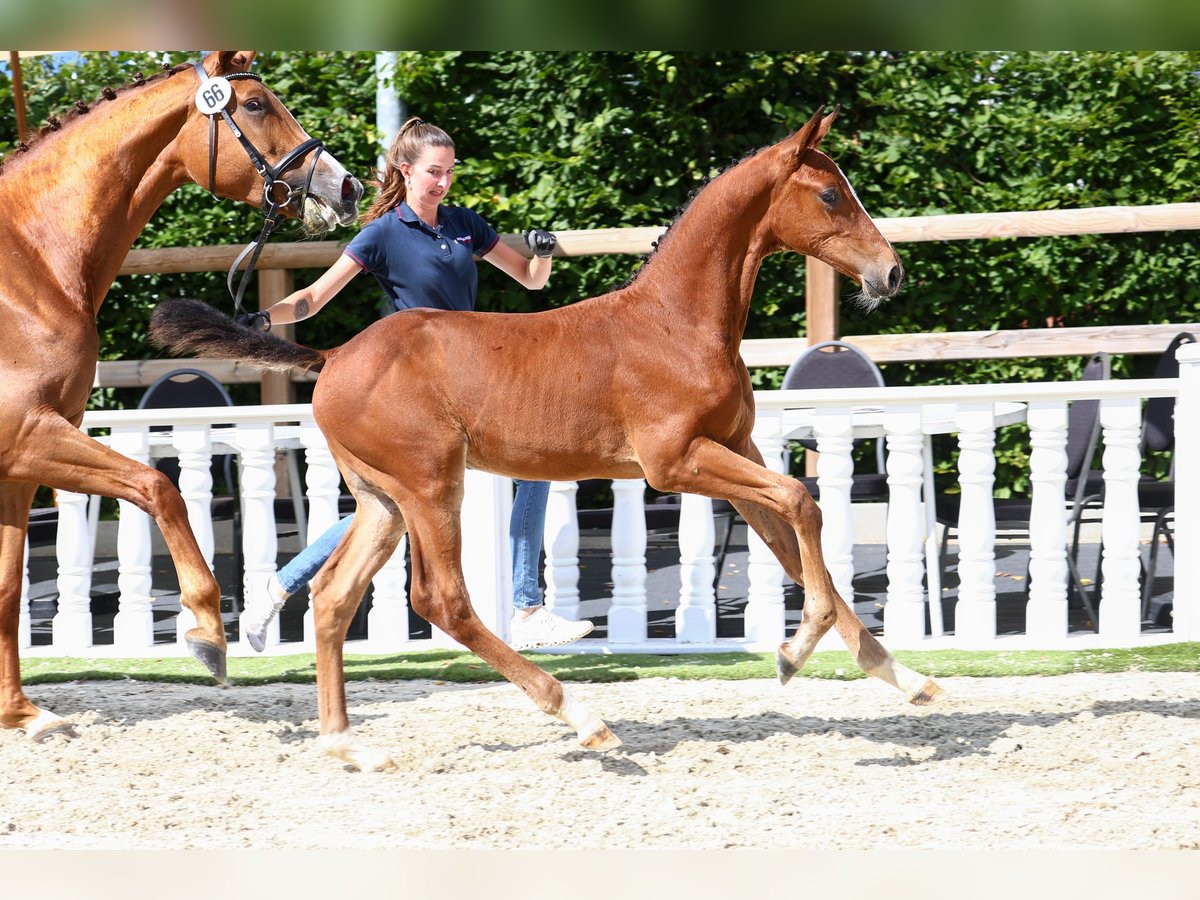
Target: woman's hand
540,242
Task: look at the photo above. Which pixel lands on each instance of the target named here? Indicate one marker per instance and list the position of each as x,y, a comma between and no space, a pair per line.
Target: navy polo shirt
420,266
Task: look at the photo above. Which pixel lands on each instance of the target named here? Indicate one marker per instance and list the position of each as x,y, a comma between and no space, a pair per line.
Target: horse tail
192,326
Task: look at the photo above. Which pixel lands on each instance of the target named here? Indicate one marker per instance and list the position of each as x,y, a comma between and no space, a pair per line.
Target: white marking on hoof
346,747
46,724
593,733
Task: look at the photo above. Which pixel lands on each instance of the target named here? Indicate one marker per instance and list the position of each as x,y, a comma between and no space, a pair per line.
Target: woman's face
427,181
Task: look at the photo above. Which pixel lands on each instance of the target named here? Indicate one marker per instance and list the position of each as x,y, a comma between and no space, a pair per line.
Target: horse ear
235,60
810,135
823,128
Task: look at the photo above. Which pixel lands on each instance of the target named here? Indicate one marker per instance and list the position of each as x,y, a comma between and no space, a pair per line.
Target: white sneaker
258,617
545,629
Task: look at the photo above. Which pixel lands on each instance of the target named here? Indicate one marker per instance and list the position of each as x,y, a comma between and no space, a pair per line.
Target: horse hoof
929,693
212,656
345,746
784,667
601,739
47,725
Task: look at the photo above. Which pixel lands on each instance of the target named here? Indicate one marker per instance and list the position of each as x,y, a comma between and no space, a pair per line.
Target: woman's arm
307,301
531,273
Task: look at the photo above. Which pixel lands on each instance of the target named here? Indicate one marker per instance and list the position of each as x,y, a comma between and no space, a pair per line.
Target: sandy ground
1080,761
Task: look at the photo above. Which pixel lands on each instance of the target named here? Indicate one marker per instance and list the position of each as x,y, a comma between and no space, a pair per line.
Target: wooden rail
279,260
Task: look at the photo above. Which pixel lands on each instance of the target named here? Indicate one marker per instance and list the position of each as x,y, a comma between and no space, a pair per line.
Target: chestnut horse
646,381
74,200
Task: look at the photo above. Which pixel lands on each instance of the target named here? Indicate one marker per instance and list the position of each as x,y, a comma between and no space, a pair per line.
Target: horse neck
90,190
708,262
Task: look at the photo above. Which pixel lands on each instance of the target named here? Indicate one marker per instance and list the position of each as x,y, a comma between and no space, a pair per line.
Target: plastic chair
829,364
1082,485
186,388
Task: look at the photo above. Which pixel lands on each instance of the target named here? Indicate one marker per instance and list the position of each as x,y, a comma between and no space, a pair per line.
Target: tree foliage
567,140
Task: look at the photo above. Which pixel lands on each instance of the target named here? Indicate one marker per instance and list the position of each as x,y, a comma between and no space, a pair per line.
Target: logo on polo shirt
465,239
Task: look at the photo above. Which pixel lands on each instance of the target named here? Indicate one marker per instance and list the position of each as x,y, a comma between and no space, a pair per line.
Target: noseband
277,193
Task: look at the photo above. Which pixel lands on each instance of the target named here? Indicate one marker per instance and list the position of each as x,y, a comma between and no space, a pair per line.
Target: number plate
213,96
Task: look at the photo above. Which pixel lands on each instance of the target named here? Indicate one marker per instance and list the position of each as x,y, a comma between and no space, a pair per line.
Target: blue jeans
525,530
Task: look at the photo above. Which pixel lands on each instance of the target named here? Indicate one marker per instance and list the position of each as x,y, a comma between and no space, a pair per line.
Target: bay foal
646,381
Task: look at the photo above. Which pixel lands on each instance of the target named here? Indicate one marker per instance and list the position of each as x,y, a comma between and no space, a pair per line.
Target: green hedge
604,139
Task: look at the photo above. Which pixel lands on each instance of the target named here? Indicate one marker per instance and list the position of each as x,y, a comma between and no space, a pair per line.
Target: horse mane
56,124
682,210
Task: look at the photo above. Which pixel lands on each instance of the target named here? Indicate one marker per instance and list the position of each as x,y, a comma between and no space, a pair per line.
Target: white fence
906,415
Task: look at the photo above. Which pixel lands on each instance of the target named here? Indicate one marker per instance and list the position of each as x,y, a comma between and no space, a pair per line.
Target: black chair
1013,513
184,388
1157,498
829,364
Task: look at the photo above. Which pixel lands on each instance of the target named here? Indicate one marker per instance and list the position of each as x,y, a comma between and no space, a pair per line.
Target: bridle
274,200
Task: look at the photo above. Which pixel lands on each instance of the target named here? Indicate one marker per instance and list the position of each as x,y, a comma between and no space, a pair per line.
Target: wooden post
277,387
824,322
14,64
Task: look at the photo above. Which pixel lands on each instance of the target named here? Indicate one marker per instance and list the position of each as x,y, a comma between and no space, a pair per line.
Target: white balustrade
904,613
765,614
1046,611
488,569
24,622
975,612
1120,604
696,616
1186,621
834,431
562,550
627,617
260,542
323,487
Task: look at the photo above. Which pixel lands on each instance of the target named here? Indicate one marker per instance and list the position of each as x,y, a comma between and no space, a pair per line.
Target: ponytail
413,138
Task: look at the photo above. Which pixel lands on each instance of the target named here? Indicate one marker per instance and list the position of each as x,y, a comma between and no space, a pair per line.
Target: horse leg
786,517
439,594
16,710
68,459
337,591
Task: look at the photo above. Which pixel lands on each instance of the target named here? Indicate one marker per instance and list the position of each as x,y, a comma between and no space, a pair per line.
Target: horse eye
829,196
253,105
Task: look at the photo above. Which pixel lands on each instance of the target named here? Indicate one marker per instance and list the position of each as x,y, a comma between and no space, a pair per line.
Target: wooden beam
14,64
821,294
955,345
1043,223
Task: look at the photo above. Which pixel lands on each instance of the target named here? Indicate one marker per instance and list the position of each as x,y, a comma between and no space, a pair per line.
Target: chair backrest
1158,418
833,364
1083,426
183,388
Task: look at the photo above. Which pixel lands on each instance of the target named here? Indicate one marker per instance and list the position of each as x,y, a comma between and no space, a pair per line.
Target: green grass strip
463,667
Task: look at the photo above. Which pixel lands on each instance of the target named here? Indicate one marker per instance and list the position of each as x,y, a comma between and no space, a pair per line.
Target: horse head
815,211
301,180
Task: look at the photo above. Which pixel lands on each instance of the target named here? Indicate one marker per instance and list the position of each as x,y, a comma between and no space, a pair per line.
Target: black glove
542,243
255,321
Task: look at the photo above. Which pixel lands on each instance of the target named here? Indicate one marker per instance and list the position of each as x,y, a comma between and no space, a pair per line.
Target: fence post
561,540
904,612
486,556
277,387
975,611
696,617
1187,488
627,617
1120,610
766,618
1046,611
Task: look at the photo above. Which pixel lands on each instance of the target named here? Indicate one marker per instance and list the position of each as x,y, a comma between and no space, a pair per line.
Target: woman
423,255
